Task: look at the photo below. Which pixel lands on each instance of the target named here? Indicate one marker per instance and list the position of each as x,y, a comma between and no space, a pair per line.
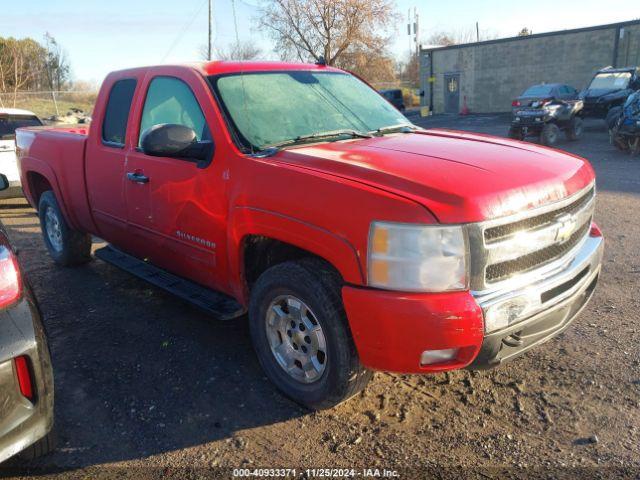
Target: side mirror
4,182
176,141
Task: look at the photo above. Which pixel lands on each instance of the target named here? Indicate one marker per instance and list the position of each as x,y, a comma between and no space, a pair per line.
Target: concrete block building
490,74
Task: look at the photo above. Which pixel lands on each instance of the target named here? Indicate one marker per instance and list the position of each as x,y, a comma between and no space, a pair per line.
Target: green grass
44,107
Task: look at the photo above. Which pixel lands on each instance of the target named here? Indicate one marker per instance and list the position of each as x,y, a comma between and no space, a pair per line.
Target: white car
10,119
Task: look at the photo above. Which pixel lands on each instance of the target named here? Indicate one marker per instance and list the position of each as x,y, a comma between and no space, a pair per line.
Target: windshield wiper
400,128
275,147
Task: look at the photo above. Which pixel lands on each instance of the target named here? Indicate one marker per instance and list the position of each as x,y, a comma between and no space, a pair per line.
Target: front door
452,93
176,208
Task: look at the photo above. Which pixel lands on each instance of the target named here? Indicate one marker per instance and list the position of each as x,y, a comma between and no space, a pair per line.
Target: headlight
417,258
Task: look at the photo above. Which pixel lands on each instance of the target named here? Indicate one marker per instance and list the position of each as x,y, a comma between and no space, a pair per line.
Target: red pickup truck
354,240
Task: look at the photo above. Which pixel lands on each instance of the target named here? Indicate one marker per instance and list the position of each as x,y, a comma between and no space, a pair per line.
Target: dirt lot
147,386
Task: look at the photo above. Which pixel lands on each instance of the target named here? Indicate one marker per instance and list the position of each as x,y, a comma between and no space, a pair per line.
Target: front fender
245,221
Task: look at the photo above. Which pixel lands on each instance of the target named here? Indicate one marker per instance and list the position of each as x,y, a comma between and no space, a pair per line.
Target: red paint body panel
321,198
392,329
460,177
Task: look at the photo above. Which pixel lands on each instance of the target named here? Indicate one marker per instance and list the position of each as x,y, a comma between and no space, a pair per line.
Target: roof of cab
220,67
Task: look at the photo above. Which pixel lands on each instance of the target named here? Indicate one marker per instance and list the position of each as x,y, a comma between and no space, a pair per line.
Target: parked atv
625,132
608,91
545,111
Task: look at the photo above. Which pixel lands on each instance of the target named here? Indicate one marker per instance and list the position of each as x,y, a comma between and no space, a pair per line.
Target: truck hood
460,177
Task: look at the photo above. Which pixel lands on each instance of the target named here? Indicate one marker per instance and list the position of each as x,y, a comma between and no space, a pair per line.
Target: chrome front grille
498,232
532,243
538,258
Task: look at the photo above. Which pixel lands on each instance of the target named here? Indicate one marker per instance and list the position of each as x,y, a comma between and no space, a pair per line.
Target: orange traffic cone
465,108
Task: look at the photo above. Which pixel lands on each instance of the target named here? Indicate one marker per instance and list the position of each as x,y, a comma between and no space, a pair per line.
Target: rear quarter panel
57,154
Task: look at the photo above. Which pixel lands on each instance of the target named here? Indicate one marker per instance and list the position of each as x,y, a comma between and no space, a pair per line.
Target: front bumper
564,295
530,118
392,329
23,422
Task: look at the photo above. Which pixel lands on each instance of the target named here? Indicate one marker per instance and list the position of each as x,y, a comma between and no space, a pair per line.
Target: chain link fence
60,106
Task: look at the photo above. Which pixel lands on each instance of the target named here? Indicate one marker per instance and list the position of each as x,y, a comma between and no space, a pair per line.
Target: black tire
550,134
574,129
516,133
612,116
318,286
42,447
74,247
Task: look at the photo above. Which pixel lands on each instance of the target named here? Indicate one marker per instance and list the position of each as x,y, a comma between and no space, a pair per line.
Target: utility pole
209,42
477,32
413,28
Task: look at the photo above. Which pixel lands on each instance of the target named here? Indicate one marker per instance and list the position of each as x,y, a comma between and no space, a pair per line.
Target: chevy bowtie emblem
566,227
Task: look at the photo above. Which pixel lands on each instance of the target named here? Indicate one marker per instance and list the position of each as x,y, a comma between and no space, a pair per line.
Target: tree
21,65
458,37
242,51
441,38
332,29
376,68
409,70
524,32
56,67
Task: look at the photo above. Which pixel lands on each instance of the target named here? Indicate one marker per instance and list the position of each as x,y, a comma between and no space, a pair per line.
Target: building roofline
535,35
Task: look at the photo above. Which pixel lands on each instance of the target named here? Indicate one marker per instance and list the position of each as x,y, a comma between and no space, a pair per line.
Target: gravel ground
149,387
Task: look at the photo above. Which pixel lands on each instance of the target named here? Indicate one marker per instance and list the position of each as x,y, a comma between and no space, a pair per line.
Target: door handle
137,177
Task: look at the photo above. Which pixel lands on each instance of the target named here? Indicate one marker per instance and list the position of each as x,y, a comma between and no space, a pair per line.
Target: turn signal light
515,103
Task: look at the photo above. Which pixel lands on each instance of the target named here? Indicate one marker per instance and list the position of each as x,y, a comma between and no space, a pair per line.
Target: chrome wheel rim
296,339
52,229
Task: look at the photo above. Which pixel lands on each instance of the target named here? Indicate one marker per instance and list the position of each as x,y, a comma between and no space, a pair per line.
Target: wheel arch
259,239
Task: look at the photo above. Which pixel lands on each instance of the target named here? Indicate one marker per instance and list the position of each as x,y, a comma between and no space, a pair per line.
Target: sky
100,36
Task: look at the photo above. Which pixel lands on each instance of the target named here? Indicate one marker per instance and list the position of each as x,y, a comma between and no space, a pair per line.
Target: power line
183,31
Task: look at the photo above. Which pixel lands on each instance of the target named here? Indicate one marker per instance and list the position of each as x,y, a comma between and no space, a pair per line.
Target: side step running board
219,305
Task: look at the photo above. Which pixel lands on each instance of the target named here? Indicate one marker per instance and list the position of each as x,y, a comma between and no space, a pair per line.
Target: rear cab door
106,155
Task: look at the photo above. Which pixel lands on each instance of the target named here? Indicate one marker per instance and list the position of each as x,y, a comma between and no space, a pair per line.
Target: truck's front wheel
66,246
300,333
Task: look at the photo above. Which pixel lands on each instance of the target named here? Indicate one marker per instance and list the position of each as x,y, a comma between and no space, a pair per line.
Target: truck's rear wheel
300,333
66,246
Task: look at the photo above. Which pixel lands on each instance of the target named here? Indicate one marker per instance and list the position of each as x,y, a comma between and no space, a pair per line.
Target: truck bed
58,154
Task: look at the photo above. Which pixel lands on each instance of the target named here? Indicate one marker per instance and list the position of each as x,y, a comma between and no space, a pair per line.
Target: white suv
10,119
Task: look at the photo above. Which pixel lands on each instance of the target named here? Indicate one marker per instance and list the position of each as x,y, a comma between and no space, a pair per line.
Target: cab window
170,100
114,126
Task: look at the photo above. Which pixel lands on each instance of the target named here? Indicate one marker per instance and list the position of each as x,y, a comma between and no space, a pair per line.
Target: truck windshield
610,81
9,123
273,108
